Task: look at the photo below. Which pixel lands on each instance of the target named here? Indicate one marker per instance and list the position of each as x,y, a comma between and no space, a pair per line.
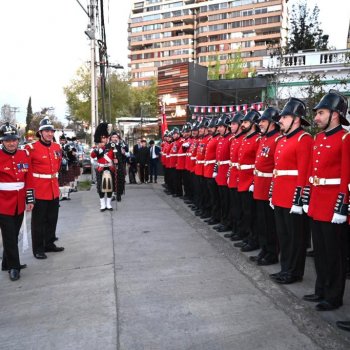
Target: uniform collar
294,132
334,130
45,144
251,135
271,133
7,152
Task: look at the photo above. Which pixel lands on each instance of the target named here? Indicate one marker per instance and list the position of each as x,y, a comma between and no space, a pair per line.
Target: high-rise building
164,32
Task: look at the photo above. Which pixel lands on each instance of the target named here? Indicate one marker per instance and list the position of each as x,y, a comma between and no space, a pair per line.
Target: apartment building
165,32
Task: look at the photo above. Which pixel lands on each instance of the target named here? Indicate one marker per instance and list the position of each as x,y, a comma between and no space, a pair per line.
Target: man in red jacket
263,172
328,204
292,159
46,157
246,159
14,194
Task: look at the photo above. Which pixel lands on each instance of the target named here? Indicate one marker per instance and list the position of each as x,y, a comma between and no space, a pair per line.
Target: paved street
152,276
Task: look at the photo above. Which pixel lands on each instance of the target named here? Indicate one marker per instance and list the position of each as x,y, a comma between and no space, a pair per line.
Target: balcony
318,59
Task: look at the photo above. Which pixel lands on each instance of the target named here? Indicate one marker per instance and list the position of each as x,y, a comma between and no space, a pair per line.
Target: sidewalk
153,276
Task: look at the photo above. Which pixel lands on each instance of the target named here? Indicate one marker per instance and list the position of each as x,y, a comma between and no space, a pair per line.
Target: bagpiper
105,167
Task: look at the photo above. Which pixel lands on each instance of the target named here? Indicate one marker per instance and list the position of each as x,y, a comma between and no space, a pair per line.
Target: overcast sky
43,44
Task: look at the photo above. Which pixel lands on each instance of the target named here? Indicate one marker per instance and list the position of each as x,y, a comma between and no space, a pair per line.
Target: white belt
223,162
261,174
233,164
167,156
285,173
11,186
245,166
188,154
104,165
45,176
200,161
182,155
193,158
207,162
173,155
316,181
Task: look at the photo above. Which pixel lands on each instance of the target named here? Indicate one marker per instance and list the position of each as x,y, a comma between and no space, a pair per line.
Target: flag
202,109
164,123
223,109
217,108
232,108
238,108
196,109
210,109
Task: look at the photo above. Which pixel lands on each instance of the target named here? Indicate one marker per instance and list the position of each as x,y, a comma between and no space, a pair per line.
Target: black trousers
178,182
205,196
10,226
236,212
186,178
265,219
143,168
153,168
249,217
330,246
197,191
224,196
44,222
292,232
214,198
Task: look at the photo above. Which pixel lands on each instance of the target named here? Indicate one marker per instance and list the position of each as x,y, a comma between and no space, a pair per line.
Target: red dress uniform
246,161
104,159
210,156
292,157
181,155
264,165
223,159
188,161
193,154
46,163
13,181
199,168
166,155
175,147
327,179
235,145
163,153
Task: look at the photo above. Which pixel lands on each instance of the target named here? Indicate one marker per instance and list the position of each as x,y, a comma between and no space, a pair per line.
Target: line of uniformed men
268,183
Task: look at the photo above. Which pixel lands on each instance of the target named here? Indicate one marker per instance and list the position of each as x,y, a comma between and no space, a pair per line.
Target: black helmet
195,126
175,130
271,114
186,127
45,124
334,101
224,120
295,108
8,132
237,118
212,122
166,133
203,123
252,116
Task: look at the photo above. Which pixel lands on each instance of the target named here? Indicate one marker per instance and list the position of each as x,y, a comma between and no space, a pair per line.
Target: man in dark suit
154,160
143,159
137,147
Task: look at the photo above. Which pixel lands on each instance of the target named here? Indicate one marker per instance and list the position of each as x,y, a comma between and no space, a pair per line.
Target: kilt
99,180
76,170
65,177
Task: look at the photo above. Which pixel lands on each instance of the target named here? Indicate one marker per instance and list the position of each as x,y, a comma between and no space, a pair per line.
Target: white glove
100,150
296,209
251,188
186,144
215,175
270,203
305,208
339,219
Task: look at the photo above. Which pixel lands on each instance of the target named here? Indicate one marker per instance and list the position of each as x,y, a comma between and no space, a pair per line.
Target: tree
304,29
235,66
29,116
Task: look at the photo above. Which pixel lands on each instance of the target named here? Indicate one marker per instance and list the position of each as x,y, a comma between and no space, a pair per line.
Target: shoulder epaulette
302,135
258,139
232,137
278,138
27,152
30,145
345,136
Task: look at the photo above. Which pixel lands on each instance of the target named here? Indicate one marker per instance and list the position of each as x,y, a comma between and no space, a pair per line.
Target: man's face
321,118
114,138
263,125
246,125
139,141
47,135
143,144
285,122
221,129
194,133
211,131
11,145
234,127
201,131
